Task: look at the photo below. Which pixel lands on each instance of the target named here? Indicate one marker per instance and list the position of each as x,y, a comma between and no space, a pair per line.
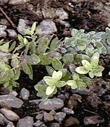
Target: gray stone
10,115
24,93
68,111
48,117
12,33
92,120
60,116
46,27
39,117
38,123
10,124
13,93
2,31
25,122
10,101
54,125
16,2
62,14
22,26
2,2
51,104
3,120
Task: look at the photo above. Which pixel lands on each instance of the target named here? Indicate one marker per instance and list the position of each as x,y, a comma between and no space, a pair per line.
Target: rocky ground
22,107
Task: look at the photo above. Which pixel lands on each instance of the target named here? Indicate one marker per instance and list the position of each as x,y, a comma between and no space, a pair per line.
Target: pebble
72,121
39,116
92,120
38,123
11,33
25,122
13,93
60,116
10,124
22,26
46,27
3,120
61,13
2,31
16,2
48,117
68,111
24,93
10,115
10,101
54,125
51,104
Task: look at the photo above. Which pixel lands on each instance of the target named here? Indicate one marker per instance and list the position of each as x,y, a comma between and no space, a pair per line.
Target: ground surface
89,108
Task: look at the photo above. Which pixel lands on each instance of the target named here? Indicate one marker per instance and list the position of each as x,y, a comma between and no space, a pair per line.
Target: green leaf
57,75
95,58
54,44
15,62
4,47
86,64
91,74
81,70
43,45
56,64
72,83
28,70
12,47
32,59
49,80
17,73
50,90
45,59
33,28
68,58
41,89
61,84
50,70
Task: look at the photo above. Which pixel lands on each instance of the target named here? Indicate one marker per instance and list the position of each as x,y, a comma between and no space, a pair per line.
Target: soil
82,14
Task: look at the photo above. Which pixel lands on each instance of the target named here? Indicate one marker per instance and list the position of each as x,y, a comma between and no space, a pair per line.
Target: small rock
51,104
24,94
11,33
39,117
10,101
106,97
3,120
68,111
48,117
93,120
46,27
22,26
62,14
16,2
38,123
25,122
37,101
2,31
10,115
10,124
4,21
73,101
94,100
54,125
72,121
60,116
2,2
13,93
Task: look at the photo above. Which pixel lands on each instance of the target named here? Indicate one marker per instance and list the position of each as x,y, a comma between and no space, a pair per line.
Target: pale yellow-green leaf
81,70
50,90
